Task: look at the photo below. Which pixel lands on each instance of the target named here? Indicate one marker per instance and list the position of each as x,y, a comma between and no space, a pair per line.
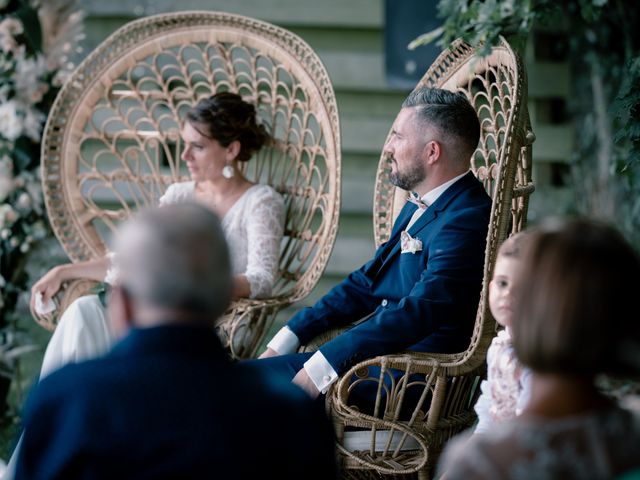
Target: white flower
14,242
31,182
6,177
4,234
7,215
33,121
9,28
10,122
24,248
24,201
4,89
28,78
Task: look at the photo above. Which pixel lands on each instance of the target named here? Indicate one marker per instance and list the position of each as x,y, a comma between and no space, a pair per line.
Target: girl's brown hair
576,314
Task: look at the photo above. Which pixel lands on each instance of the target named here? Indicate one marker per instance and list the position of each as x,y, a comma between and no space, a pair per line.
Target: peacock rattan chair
379,443
112,145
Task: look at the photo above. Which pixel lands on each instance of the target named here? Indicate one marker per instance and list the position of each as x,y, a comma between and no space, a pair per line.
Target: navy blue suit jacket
424,301
167,403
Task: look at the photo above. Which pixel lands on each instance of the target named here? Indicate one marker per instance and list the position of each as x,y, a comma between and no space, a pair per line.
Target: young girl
505,390
576,318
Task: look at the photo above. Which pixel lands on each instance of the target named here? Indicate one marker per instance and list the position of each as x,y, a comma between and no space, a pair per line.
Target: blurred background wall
363,45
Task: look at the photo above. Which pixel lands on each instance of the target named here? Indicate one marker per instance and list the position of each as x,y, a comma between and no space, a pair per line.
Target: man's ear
432,151
120,310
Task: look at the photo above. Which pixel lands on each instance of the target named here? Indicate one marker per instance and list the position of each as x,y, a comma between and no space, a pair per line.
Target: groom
420,291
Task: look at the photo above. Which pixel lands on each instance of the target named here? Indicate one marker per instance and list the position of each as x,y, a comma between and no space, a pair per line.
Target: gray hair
450,112
175,257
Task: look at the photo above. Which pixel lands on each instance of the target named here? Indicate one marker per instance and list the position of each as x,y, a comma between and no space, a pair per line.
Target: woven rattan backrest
496,86
112,142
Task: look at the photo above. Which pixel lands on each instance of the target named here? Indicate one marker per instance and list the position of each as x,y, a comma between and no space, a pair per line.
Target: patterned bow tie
416,200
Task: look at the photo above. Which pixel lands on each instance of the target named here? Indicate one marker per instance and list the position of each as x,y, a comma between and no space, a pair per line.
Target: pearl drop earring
227,171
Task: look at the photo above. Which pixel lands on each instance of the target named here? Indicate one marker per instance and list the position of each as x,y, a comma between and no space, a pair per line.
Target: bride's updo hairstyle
225,117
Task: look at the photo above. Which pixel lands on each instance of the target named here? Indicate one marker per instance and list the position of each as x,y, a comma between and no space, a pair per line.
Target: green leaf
425,38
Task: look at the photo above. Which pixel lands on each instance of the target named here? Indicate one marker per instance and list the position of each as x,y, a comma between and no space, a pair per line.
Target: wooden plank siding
349,38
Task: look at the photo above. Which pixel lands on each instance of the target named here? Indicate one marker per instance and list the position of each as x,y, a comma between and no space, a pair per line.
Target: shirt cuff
320,372
284,342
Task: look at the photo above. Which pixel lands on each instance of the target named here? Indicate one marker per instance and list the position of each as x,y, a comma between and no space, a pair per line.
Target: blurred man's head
173,266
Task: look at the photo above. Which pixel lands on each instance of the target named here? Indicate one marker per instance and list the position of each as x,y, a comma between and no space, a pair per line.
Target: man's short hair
175,257
578,287
449,112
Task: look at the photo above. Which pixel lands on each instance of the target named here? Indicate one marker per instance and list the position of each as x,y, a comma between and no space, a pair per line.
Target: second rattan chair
380,442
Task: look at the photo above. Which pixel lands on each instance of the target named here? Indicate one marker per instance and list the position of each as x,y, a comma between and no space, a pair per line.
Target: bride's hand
48,285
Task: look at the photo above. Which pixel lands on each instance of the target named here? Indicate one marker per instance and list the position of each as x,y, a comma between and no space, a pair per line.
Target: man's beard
409,179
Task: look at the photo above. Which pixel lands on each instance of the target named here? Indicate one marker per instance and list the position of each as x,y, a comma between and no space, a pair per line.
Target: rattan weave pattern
497,87
112,145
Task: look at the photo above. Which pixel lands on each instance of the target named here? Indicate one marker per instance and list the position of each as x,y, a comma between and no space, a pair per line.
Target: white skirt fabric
83,332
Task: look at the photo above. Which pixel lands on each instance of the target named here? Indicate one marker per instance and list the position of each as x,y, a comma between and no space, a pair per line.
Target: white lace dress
505,392
253,228
599,445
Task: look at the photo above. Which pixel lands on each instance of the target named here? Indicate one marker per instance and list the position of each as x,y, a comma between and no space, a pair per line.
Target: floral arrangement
38,39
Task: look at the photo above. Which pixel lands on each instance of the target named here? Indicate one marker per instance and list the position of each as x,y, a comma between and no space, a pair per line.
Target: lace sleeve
482,409
483,404
265,227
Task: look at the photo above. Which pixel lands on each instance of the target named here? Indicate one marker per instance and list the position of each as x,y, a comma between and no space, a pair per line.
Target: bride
218,132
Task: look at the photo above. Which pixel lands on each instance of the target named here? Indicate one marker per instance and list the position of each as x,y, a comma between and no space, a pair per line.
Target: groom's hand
269,352
304,382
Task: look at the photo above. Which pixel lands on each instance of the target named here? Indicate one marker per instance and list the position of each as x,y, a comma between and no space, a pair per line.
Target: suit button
384,302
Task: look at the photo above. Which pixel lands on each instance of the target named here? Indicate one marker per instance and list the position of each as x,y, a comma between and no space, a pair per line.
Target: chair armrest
245,323
396,446
69,291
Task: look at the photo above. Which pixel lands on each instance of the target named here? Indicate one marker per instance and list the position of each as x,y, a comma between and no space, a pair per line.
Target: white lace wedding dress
253,228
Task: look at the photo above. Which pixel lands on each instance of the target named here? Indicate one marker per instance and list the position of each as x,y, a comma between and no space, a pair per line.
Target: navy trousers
363,395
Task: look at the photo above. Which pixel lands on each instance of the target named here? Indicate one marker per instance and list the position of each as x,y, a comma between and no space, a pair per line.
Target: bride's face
204,156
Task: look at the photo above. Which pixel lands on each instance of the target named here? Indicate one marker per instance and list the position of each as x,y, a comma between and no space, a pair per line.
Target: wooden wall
349,38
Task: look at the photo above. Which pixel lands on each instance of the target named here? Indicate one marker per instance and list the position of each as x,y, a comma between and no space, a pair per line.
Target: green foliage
626,112
33,65
604,57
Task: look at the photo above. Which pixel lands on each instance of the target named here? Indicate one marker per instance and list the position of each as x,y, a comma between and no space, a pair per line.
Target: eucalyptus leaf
426,38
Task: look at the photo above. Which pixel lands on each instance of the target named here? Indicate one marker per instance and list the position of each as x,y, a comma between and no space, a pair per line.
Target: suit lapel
427,217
